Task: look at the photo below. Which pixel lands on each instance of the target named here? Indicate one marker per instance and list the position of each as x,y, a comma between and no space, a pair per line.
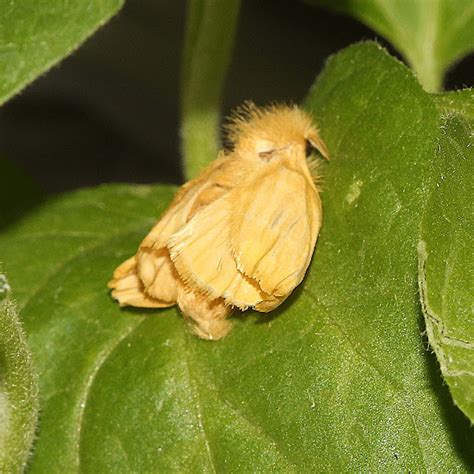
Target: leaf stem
429,74
18,390
210,31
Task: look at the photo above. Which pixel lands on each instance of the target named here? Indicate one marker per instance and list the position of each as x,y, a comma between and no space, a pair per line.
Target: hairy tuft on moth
240,235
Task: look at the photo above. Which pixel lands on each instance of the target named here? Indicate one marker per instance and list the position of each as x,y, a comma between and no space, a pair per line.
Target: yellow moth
240,235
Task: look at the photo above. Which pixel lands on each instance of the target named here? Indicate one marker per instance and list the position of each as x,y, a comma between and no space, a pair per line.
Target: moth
240,235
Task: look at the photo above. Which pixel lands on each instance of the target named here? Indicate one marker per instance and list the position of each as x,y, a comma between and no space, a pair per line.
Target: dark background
110,112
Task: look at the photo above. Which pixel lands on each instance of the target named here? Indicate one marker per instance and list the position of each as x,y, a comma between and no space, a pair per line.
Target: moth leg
207,318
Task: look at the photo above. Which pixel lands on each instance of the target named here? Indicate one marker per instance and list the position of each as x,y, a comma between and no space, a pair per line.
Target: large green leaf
338,379
446,262
36,34
210,31
18,388
431,34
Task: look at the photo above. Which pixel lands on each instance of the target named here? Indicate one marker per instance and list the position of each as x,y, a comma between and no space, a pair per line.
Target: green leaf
210,32
62,257
446,262
431,34
461,101
336,380
35,35
18,388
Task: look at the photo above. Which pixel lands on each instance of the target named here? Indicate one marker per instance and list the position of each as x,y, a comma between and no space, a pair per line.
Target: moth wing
128,290
275,226
180,208
150,275
154,266
154,269
203,258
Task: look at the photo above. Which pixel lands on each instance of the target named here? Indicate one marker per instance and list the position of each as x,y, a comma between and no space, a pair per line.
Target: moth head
262,132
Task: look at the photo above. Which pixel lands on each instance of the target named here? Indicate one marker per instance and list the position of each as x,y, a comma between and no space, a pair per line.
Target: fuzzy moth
240,235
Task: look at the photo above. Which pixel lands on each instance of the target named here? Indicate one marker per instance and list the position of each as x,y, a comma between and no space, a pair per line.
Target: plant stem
210,32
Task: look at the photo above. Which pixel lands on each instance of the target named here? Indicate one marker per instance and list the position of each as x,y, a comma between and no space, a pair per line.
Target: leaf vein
101,358
197,404
257,429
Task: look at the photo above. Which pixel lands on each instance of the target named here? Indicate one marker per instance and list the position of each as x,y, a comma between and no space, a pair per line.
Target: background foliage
338,378
36,36
431,35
